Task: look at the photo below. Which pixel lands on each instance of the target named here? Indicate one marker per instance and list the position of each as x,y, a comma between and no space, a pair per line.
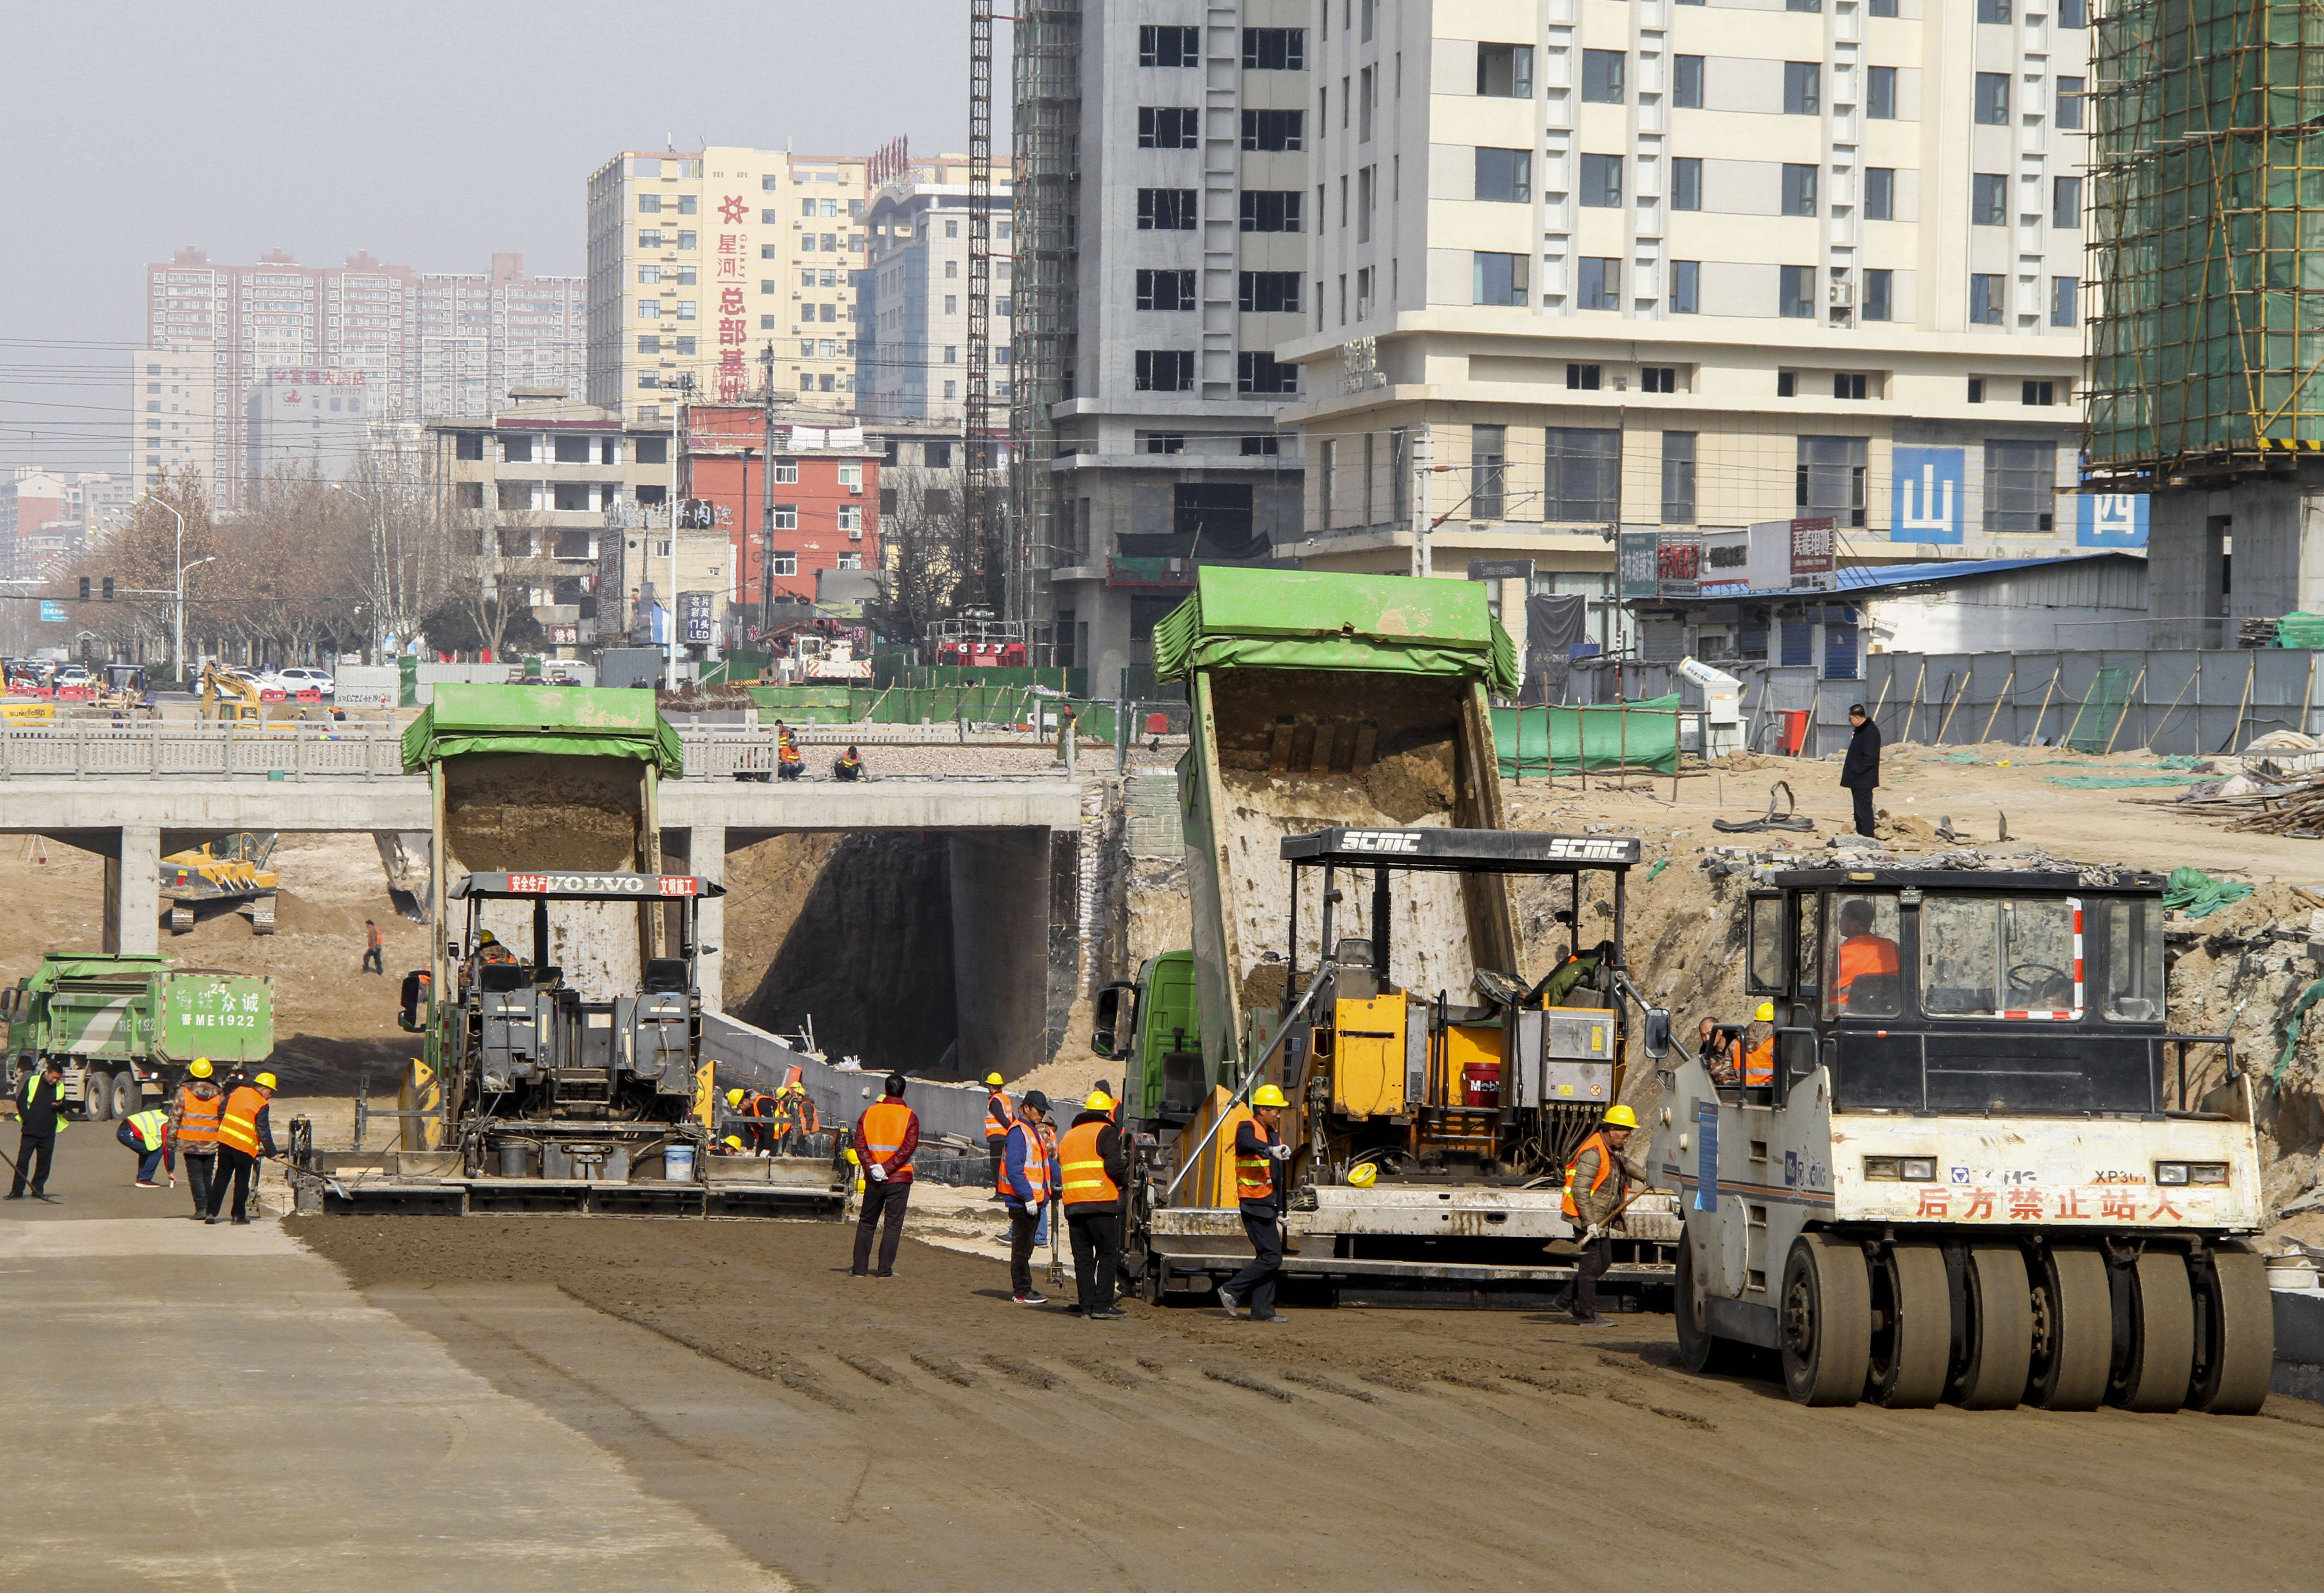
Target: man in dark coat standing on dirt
1860,772
40,1111
885,1137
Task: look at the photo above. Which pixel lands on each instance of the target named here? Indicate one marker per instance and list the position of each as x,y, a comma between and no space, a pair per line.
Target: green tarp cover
1294,619
2199,895
1642,735
573,721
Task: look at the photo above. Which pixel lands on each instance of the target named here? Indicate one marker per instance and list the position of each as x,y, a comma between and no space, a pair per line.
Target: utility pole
677,504
767,496
1423,561
976,421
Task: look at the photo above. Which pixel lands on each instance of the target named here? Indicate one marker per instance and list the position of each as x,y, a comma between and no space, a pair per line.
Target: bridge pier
132,889
700,849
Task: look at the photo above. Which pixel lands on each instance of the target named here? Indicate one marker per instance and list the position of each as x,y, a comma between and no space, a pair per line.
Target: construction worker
789,765
147,1133
1028,1176
1259,1154
371,964
1862,952
1065,719
755,1109
245,1136
998,1115
848,766
1595,1182
795,1119
194,1115
1093,1168
1718,1050
40,1118
1049,1212
886,1135
1759,1049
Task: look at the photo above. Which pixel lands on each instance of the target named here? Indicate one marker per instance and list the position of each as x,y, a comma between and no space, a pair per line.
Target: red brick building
826,499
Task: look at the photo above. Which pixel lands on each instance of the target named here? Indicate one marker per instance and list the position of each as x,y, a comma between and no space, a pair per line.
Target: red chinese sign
733,377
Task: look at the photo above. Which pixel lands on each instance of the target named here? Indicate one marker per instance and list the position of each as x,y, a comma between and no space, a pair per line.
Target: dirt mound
504,811
1413,784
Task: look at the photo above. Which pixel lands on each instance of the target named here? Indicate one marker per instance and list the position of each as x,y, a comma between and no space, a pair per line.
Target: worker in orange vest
197,1111
1861,953
1027,1182
998,1115
245,1136
1092,1167
1604,1173
794,1120
886,1135
757,1111
1259,1154
1759,1055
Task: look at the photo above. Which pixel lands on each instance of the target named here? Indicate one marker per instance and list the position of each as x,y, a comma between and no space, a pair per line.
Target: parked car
300,677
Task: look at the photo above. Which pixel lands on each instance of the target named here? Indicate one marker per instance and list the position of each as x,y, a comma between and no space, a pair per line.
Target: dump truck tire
1824,1324
1998,1321
2074,1330
128,1094
2153,1333
2235,1333
96,1096
1912,1333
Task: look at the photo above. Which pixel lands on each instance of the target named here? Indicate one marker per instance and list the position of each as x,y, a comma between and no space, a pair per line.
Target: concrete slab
214,1407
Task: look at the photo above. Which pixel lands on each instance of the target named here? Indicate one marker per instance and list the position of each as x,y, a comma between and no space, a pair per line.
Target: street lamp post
178,624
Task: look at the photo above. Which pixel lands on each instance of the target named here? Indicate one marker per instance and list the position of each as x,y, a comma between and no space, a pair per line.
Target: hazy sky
431,134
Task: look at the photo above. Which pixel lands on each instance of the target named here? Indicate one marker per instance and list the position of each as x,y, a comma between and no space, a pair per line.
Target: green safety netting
1607,736
2300,630
2199,895
2292,1028
2100,718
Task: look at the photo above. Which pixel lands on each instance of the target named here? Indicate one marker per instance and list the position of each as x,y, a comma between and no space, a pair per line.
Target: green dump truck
125,1026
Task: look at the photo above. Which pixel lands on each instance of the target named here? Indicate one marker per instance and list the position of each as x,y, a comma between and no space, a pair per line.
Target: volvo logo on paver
1380,840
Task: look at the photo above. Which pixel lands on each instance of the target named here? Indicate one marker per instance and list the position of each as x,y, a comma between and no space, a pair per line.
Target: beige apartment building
701,264
1581,269
174,403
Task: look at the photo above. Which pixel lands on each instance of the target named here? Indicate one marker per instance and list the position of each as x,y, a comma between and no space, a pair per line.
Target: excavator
229,700
232,870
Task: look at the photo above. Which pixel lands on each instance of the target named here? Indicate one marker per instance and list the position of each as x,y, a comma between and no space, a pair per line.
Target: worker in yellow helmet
1093,1170
1759,1049
1260,1159
1596,1181
244,1138
195,1113
999,1114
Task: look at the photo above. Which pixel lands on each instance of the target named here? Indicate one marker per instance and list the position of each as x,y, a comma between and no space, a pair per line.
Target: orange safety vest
998,1115
1037,1166
496,952
238,1128
1081,1171
198,1117
883,1131
777,1111
1759,1064
1255,1175
803,1114
1861,954
1605,1171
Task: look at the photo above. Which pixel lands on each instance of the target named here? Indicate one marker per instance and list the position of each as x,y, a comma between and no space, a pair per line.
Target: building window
1880,193
1505,71
1799,190
786,471
1879,295
1991,99
2073,14
1686,287
1262,373
2021,487
1977,390
1601,181
1880,96
850,517
1829,478
1795,293
1498,278
1803,88
1988,199
1273,130
1273,49
1658,378
1787,385
1602,75
2066,203
2063,291
1686,183
1993,11
1268,293
649,204
2069,104
1848,386
1165,370
687,240
1166,210
1687,82
1270,210
1583,378
1161,443
1254,448
1678,479
1582,475
1159,126
785,516
783,561
517,449
1599,283
1506,175
1166,290
1169,47
1487,463
2041,394
1883,7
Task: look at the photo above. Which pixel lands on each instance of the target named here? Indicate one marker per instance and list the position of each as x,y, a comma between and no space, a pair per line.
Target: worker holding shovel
1596,1181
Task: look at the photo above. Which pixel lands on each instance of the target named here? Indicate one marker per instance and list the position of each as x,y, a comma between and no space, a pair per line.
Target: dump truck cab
1982,1169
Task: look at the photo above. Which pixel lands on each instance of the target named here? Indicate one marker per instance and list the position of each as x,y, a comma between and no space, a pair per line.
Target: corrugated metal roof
1896,577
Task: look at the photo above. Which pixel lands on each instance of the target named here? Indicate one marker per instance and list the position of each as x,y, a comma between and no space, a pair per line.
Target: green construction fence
1642,735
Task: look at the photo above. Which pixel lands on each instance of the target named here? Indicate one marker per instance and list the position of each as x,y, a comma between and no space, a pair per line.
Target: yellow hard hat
1364,1174
1767,1013
488,939
733,1098
264,1081
992,1081
199,1068
1620,1116
732,1142
854,1159
1266,1095
1098,1101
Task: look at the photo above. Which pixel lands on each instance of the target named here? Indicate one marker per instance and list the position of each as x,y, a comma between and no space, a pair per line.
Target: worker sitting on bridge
789,765
1595,1182
148,1133
1862,952
848,765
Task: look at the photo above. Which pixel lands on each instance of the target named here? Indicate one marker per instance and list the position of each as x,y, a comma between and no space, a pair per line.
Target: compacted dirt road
924,1432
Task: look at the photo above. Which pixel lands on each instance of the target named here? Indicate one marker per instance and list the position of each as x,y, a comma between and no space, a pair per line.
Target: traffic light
84,588
108,588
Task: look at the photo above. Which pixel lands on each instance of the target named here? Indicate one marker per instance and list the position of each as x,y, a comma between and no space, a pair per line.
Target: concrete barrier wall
750,1058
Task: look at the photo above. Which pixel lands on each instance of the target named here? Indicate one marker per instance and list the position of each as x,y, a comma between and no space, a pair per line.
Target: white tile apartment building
1668,265
913,358
1187,239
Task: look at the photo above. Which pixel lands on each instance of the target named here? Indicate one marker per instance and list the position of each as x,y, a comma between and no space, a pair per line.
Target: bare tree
927,548
410,568
507,548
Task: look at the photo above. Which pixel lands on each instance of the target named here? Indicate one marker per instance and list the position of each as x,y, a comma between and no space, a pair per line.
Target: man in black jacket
1860,772
40,1110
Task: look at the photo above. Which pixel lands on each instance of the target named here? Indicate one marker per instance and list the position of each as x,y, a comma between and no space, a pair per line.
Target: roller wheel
1911,1328
128,1095
1699,1350
181,918
2235,1332
1823,1326
2153,1333
1997,1323
96,1095
2074,1330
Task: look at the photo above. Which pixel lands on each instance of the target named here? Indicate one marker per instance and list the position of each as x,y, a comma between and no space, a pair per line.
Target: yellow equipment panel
1367,1056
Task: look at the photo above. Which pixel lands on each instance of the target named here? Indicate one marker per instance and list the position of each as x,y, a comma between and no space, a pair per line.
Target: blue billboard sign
1926,496
2110,520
